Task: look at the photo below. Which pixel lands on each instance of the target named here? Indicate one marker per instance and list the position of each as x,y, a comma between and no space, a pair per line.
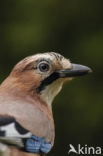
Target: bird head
44,74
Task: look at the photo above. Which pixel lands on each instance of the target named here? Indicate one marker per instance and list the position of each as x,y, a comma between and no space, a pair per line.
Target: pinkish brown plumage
26,96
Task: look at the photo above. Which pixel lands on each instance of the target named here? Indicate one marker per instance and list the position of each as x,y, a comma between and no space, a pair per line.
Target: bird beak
77,70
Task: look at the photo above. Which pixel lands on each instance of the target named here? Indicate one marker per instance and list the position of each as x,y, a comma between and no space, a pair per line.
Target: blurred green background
74,29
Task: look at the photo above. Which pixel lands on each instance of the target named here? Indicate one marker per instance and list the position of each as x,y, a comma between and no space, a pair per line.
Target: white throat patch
51,91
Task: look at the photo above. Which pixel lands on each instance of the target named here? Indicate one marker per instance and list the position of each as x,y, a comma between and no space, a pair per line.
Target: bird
26,96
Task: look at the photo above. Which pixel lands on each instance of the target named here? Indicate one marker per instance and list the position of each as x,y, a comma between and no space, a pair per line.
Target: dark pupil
44,67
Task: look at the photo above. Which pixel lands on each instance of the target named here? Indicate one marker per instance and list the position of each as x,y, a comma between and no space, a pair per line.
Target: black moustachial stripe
54,76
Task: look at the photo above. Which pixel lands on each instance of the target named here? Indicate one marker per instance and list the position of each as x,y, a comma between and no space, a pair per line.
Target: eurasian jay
26,96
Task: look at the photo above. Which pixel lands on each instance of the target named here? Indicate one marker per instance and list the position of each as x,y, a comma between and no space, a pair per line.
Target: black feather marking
54,76
57,56
6,120
20,129
2,133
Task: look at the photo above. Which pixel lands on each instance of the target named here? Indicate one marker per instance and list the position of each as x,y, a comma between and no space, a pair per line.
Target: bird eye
43,67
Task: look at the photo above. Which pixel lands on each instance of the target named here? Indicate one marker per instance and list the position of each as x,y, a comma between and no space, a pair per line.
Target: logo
84,150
